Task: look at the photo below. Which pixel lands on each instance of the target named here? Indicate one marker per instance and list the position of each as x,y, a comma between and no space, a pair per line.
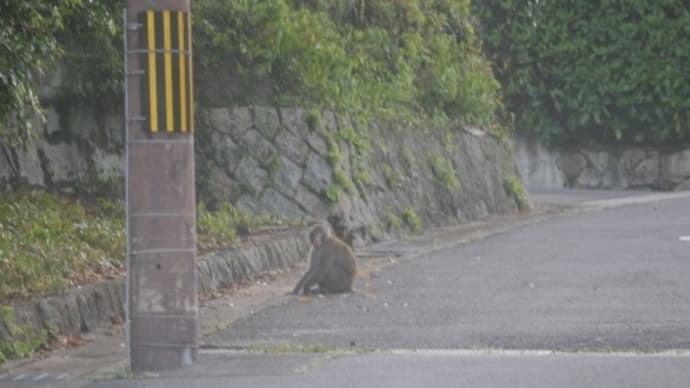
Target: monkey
332,264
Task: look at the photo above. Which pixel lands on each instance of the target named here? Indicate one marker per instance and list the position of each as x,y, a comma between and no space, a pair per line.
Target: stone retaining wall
287,162
602,167
281,161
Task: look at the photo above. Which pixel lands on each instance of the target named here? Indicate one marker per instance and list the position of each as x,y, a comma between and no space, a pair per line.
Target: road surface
598,298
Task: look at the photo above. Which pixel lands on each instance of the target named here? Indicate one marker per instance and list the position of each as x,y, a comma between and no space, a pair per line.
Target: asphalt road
594,299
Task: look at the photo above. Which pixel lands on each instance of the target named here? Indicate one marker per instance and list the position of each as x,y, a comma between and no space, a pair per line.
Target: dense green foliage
93,57
609,70
34,34
28,46
396,59
388,58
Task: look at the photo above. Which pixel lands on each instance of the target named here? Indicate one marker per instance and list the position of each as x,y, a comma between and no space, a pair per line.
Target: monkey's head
317,235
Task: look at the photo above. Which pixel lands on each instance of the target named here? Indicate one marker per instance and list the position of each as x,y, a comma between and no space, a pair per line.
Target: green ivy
612,71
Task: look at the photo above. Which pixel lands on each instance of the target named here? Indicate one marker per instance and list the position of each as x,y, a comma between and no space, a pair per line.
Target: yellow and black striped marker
167,91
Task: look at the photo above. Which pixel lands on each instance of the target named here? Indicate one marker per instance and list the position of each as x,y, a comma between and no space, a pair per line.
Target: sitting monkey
332,264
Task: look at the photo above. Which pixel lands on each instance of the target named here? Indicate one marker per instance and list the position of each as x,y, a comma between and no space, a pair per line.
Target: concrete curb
93,306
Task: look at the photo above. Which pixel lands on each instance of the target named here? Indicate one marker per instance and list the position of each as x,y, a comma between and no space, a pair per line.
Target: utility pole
162,306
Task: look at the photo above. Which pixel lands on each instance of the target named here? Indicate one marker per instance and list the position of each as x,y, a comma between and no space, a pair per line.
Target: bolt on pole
162,305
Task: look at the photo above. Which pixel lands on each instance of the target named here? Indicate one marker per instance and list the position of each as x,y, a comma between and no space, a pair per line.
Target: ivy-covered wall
605,71
369,180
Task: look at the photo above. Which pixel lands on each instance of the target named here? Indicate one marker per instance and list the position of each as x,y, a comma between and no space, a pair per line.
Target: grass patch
48,243
219,229
292,348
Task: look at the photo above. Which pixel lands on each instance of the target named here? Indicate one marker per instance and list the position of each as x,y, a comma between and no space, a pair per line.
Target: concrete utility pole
162,307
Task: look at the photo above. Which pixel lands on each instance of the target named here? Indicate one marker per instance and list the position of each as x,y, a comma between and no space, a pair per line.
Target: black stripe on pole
174,45
160,72
154,91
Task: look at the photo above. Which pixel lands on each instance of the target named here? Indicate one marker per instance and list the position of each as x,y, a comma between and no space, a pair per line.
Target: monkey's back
346,257
344,266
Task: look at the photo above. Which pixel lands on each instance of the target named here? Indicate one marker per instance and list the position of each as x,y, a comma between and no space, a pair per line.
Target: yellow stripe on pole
190,74
181,55
168,72
153,96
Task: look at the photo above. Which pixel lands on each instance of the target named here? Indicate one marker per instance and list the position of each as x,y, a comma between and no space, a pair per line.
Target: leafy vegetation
445,173
91,41
34,35
613,71
514,189
333,194
344,181
25,340
383,58
341,180
219,229
412,220
48,243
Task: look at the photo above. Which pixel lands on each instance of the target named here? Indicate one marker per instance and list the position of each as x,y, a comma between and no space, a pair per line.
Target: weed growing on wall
444,172
514,189
412,220
24,339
